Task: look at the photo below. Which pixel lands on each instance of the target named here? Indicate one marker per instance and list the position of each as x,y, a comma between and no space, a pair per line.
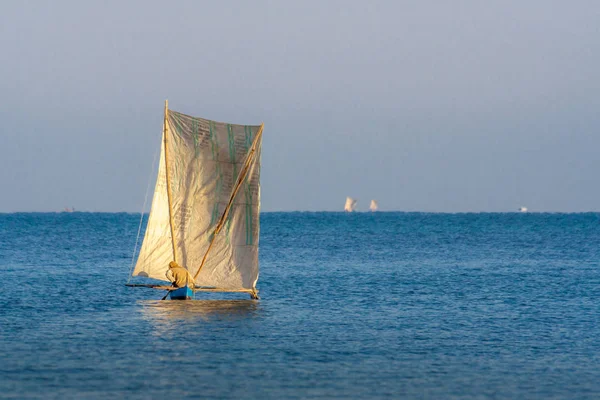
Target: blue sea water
364,305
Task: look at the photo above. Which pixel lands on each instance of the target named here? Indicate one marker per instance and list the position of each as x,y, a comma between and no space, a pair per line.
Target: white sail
373,206
205,159
350,204
156,251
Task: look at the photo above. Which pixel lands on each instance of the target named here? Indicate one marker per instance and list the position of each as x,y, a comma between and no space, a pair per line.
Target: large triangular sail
205,159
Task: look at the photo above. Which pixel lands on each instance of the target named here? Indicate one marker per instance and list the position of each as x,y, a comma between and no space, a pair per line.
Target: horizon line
323,211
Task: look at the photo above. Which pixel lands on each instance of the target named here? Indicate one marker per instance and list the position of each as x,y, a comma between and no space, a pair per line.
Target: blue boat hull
183,293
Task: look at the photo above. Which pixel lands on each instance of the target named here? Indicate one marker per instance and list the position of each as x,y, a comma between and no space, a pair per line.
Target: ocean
362,305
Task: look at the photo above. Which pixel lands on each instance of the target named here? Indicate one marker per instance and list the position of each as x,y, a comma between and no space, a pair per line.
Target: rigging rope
137,239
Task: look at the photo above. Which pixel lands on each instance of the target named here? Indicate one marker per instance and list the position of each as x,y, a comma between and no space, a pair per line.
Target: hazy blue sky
422,105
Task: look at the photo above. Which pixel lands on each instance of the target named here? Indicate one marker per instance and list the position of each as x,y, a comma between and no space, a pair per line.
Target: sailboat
373,206
350,205
205,209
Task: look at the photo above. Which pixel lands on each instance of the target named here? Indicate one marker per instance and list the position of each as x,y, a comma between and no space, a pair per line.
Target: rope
137,239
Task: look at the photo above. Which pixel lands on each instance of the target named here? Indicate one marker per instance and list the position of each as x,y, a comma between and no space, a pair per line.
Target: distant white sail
350,204
523,209
374,206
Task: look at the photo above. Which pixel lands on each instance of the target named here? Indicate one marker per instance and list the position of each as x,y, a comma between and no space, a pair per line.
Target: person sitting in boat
178,275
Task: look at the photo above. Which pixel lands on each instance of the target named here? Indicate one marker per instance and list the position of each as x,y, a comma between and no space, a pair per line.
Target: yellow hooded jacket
178,275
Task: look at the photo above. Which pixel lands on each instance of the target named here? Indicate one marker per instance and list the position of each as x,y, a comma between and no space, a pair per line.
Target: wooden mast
169,196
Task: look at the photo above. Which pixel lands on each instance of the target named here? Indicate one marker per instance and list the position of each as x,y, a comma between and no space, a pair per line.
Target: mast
169,196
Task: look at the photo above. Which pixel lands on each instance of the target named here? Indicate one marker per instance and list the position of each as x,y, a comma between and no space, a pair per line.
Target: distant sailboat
350,204
523,209
204,220
374,206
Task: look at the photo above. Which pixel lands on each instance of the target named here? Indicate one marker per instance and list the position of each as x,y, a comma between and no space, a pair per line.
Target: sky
439,106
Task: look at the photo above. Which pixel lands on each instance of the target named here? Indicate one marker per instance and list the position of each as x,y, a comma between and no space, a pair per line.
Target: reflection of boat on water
177,316
204,218
199,309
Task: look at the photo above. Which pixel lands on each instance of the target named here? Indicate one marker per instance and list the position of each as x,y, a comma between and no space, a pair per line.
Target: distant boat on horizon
69,209
523,209
374,206
350,205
